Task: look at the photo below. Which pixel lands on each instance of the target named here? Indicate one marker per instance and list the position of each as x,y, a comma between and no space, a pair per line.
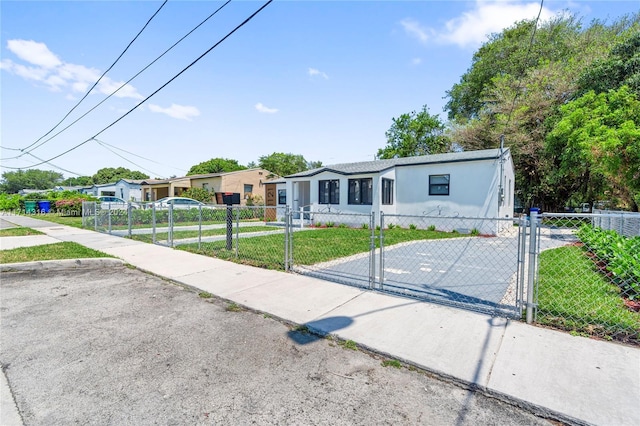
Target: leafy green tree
200,194
604,131
621,67
112,175
77,181
12,182
215,165
415,134
281,164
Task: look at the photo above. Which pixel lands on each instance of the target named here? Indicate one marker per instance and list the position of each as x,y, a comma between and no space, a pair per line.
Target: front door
270,201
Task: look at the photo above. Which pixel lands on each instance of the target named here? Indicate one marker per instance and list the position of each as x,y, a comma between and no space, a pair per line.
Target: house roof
378,166
200,176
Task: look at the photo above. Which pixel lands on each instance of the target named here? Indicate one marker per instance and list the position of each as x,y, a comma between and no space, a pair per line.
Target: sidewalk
576,379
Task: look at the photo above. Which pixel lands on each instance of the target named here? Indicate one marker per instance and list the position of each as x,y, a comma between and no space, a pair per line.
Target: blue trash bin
44,206
535,209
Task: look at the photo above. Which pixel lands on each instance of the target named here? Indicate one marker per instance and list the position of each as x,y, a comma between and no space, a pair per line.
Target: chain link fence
589,276
474,263
335,246
576,272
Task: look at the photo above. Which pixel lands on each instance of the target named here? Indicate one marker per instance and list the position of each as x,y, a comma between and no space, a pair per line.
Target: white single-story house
473,184
127,189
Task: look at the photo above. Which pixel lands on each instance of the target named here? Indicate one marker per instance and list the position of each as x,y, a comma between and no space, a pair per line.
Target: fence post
109,218
301,218
129,217
153,223
170,230
286,238
199,226
237,229
372,250
95,215
533,250
381,273
522,253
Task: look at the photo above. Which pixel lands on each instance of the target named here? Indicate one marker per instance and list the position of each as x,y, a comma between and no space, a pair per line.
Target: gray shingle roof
381,165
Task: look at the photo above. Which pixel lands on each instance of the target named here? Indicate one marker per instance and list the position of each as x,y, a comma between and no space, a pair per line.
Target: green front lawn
57,251
311,246
177,235
18,232
573,296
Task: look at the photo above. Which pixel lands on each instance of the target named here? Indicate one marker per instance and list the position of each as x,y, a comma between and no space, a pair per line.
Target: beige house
247,183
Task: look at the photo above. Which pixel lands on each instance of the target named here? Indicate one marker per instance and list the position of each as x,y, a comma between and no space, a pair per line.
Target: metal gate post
372,250
170,233
522,247
199,226
95,210
237,230
533,254
129,217
153,223
286,238
381,262
109,218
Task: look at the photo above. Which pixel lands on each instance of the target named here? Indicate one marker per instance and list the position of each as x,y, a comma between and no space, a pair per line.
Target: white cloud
472,27
263,109
45,67
415,30
34,53
180,112
315,72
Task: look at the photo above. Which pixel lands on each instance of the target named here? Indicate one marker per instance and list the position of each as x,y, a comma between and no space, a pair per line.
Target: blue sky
319,78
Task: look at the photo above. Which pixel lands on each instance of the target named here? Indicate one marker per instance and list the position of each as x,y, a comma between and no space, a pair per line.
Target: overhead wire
157,90
124,84
101,142
96,83
126,159
526,60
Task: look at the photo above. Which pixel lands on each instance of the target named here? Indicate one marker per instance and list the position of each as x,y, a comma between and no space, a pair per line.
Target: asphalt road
117,346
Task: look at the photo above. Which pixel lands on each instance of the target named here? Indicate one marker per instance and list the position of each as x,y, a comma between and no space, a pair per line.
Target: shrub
475,232
200,194
9,202
412,227
431,228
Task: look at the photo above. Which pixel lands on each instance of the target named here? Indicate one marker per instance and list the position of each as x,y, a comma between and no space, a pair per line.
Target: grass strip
177,235
311,246
57,251
573,296
19,232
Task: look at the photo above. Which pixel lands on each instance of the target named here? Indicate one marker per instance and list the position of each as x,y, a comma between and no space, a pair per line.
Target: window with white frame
439,184
329,192
361,191
387,191
248,190
282,196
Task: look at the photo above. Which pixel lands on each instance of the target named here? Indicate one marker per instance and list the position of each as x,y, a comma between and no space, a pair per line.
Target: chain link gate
473,263
338,247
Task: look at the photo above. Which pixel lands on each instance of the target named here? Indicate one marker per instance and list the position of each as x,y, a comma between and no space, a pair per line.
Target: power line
136,155
96,83
53,165
161,87
124,84
126,159
526,61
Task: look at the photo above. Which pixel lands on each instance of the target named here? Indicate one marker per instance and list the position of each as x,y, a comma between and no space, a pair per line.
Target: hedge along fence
64,202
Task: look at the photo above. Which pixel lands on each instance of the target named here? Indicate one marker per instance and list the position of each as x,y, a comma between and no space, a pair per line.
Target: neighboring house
127,189
247,183
476,184
55,189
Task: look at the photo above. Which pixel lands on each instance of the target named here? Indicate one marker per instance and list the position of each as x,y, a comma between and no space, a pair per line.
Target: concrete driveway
117,346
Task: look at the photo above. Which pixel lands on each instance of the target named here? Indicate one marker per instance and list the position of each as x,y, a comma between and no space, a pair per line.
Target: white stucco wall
127,191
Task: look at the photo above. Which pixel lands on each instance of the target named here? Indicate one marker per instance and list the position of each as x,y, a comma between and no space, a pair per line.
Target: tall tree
215,165
77,181
603,131
111,175
12,182
415,134
281,164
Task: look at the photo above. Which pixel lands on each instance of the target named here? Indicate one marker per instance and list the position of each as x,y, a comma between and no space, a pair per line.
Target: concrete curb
61,265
